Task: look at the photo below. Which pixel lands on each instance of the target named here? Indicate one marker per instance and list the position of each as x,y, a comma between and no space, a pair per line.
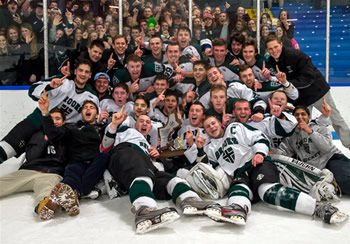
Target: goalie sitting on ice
312,143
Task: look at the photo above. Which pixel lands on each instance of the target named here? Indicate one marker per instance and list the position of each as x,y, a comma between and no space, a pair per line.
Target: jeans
339,165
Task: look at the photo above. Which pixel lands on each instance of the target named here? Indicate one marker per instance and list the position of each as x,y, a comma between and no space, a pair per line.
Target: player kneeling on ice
131,166
241,151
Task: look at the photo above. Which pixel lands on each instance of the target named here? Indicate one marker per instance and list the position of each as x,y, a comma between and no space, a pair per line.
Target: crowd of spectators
74,24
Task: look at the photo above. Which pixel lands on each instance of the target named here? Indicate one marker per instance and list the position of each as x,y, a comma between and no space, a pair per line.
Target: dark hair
59,110
121,85
97,43
90,102
118,37
202,63
243,67
170,92
238,37
250,42
200,104
184,28
301,107
172,45
133,58
142,97
83,61
161,77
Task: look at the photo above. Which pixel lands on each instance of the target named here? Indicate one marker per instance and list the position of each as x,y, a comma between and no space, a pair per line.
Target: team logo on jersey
229,155
260,177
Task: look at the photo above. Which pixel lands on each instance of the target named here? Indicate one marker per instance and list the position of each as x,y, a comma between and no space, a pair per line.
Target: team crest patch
260,177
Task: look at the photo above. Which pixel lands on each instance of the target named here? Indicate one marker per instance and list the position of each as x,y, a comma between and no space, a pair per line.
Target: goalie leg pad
208,182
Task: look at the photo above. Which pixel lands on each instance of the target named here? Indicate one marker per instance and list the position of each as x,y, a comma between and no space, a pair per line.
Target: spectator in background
265,20
283,37
252,28
265,32
29,39
35,19
14,41
287,26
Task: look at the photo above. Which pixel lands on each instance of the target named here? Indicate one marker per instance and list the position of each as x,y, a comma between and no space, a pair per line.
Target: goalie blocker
320,184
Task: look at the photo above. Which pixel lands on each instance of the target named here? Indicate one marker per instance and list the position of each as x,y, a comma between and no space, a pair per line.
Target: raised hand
225,117
257,85
134,87
274,109
57,82
104,114
235,62
118,118
111,62
200,140
190,95
189,136
138,51
281,76
265,72
257,117
44,103
194,58
326,109
65,70
302,125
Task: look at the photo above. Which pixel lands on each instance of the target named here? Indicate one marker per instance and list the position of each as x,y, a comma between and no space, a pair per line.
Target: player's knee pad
208,182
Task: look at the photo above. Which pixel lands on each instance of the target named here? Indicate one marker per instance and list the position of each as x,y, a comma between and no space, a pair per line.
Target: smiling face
13,34
82,75
95,53
57,119
120,46
170,104
242,111
173,53
101,85
218,100
89,113
236,47
134,69
274,48
215,77
249,55
279,98
219,53
183,38
160,85
213,128
199,73
156,46
120,96
140,108
3,42
143,124
247,77
301,115
196,115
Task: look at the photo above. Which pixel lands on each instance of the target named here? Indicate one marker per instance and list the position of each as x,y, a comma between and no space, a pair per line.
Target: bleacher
310,33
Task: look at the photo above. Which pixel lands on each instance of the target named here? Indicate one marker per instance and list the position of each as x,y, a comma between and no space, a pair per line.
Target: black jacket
45,156
303,74
82,140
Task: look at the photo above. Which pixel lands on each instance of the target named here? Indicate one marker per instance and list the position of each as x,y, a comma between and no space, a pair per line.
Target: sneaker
234,214
68,199
94,194
147,219
329,214
195,206
48,205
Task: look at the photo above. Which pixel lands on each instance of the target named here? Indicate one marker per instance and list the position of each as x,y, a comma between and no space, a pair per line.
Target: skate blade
338,217
216,216
147,226
192,211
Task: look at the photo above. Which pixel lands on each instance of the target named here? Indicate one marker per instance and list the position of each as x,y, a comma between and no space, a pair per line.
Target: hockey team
244,133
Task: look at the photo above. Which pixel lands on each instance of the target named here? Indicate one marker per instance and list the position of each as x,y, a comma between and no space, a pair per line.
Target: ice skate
112,188
195,206
329,214
68,199
147,219
48,205
234,214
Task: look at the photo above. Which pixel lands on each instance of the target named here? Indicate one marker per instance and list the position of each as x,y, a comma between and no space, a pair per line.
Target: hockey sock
278,195
6,151
179,188
139,192
240,194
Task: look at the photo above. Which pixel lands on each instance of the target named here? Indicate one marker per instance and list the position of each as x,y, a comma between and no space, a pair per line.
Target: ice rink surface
111,221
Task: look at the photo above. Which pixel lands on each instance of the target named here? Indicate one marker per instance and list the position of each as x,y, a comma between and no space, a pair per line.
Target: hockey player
171,105
156,53
85,162
241,151
312,143
110,105
42,170
312,86
101,84
63,93
139,77
132,168
264,90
